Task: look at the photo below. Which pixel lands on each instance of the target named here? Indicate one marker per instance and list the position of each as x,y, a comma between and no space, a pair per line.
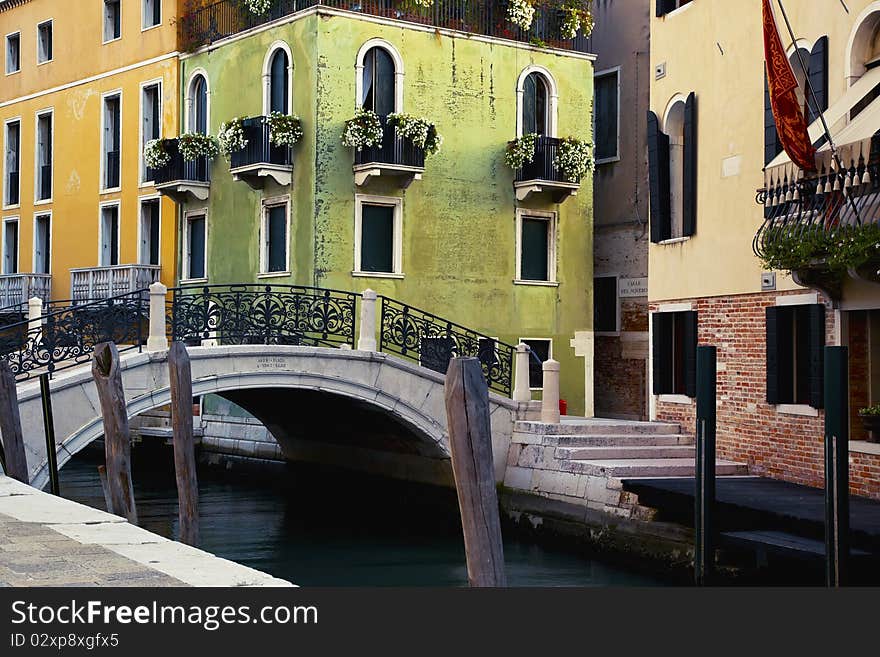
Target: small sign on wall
632,287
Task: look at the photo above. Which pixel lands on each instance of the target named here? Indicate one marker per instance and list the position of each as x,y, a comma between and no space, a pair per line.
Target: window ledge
518,281
13,72
608,160
150,27
607,334
674,240
675,399
864,447
45,201
797,409
114,40
48,61
111,190
192,281
273,274
374,274
17,206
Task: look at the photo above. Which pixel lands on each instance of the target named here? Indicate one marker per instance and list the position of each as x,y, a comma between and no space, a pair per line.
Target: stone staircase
584,461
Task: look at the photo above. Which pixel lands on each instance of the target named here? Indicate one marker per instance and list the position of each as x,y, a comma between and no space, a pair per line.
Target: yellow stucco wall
715,48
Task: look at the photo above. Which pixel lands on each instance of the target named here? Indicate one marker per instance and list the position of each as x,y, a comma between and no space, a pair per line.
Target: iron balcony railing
16,289
92,283
542,167
178,169
393,150
45,190
259,149
12,189
111,173
228,17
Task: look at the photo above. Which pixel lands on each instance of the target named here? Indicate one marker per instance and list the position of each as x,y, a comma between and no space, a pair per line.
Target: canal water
318,527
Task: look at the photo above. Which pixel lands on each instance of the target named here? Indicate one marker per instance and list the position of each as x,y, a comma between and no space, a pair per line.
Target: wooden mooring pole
470,438
704,498
12,449
184,446
836,465
117,438
49,430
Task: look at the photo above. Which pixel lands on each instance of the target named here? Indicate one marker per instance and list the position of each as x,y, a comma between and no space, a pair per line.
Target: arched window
198,101
536,105
279,83
379,88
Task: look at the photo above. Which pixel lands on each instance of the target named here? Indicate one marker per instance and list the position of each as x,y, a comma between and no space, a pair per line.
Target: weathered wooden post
117,438
12,449
367,327
49,430
470,437
180,373
704,498
550,397
522,392
158,338
836,466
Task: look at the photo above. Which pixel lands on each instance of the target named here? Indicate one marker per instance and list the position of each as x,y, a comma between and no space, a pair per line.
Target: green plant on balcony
156,154
193,145
418,130
231,136
837,248
362,131
521,151
284,129
872,411
574,159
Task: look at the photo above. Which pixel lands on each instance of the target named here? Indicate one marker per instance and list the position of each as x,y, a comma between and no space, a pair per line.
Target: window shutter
817,355
662,356
780,355
690,354
772,355
664,7
818,79
772,147
658,169
689,184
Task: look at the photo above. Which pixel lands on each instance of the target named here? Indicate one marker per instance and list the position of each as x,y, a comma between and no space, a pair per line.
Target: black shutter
818,79
690,352
772,147
658,169
817,355
780,355
772,355
689,184
664,7
662,327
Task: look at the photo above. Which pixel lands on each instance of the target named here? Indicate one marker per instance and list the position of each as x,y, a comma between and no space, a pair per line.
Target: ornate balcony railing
178,169
18,288
92,283
393,150
228,17
259,149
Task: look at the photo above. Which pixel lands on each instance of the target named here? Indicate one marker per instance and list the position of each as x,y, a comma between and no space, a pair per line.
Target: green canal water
329,528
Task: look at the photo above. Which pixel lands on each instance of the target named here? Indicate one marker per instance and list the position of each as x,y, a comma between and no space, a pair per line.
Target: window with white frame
606,305
10,246
12,164
109,232
378,235
112,137
152,13
150,231
541,349
112,20
198,105
536,105
43,183
195,247
379,82
151,122
279,82
536,247
13,53
607,115
44,42
43,244
275,230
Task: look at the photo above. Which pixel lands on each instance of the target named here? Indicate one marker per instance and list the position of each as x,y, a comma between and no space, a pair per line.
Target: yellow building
711,136
82,90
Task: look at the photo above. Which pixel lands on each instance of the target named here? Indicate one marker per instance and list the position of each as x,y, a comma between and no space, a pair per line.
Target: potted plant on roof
871,421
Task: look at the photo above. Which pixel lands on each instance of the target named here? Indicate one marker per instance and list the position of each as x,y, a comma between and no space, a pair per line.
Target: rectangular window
541,350
378,239
43,244
112,137
795,353
535,243
13,53
195,246
150,232
44,157
274,255
44,42
605,305
109,236
675,353
112,20
10,246
607,113
152,13
151,118
12,164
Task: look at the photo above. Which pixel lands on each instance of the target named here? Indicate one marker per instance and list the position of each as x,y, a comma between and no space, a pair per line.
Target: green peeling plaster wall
459,220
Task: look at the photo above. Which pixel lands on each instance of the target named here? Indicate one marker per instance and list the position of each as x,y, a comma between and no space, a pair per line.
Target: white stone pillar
521,390
550,402
158,340
367,334
35,318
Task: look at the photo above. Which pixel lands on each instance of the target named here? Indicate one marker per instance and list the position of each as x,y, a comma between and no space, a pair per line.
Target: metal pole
704,495
49,426
836,466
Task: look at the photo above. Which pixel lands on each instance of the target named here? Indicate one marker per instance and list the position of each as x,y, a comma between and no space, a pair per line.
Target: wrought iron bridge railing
228,17
542,167
178,169
259,149
393,150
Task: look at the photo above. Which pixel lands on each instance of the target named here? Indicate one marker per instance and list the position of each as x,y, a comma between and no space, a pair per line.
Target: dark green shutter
690,329
780,355
658,170
277,239
377,238
772,146
662,328
534,249
818,79
817,355
197,248
689,184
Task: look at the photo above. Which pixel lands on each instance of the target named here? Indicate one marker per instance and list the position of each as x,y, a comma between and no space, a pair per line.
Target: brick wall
620,375
774,444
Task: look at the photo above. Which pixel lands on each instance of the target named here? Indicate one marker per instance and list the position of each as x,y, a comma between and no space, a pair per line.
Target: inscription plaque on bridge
271,363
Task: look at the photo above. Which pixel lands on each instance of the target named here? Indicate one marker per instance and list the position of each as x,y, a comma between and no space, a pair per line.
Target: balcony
16,289
394,157
260,159
12,189
104,282
181,180
540,175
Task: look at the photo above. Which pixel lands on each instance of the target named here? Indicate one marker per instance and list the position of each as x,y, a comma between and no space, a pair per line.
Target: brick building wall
773,444
621,365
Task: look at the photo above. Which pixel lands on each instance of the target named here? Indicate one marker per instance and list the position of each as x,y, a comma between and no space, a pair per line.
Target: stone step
590,427
639,468
628,440
617,452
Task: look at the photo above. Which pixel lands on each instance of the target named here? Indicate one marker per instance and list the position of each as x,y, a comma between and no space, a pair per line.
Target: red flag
787,111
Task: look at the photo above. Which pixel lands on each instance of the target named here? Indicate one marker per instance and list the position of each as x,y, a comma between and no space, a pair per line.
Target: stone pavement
49,541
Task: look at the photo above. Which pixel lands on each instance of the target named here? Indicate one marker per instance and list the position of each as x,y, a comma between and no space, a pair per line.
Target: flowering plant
839,248
155,154
284,129
193,145
574,159
521,151
521,13
258,7
231,136
419,131
574,19
363,131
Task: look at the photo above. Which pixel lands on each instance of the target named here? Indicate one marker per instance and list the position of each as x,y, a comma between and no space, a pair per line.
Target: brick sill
864,447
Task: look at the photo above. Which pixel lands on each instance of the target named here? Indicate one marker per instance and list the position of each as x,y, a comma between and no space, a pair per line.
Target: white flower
573,159
521,151
155,154
521,13
258,7
418,130
363,131
193,145
284,129
231,136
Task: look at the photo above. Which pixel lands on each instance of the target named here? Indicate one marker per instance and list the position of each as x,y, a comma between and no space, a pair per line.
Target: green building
458,233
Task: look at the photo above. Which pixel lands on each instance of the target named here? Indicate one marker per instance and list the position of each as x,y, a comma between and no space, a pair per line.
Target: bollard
367,334
522,391
550,402
158,339
35,320
49,429
704,479
836,465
